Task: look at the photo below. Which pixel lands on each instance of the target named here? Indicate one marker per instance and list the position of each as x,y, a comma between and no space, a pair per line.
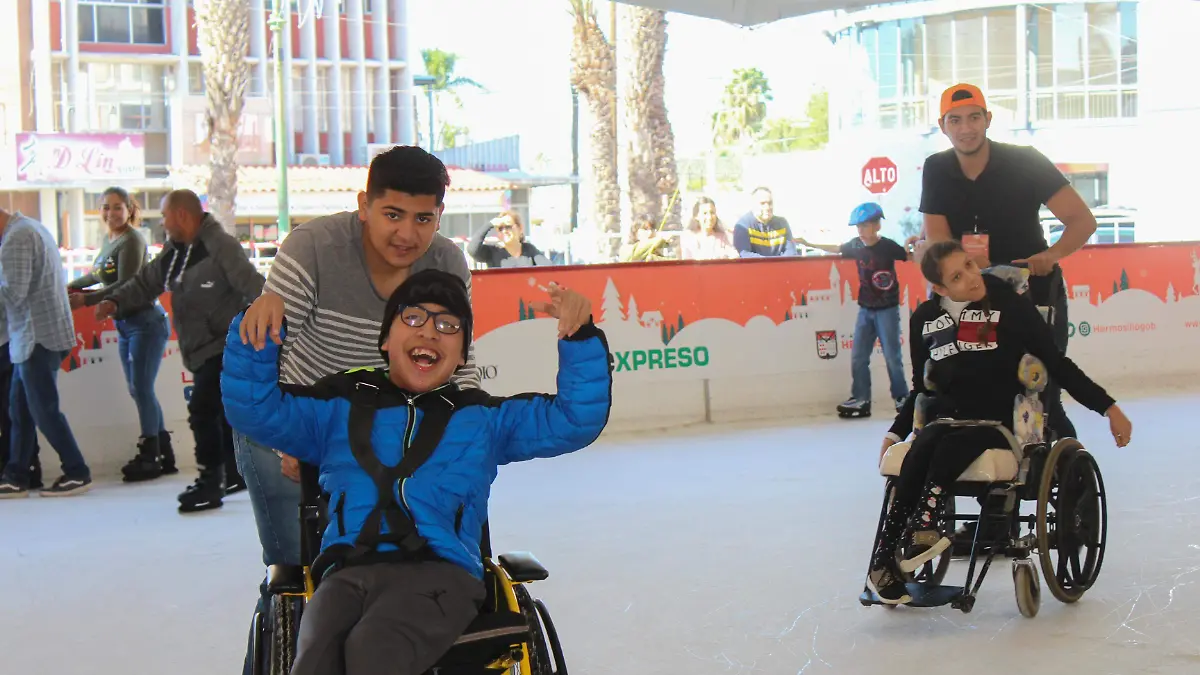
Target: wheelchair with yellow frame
1066,529
513,632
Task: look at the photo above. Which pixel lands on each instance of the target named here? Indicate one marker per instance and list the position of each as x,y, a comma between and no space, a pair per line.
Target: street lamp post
280,20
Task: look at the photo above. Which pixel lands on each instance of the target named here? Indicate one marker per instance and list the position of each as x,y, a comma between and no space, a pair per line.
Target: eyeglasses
445,323
504,228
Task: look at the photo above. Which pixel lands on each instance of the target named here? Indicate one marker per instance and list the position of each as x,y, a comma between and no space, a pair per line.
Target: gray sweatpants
386,619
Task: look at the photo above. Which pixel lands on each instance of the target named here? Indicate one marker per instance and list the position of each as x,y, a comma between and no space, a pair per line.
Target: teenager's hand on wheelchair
290,467
264,318
1119,424
572,309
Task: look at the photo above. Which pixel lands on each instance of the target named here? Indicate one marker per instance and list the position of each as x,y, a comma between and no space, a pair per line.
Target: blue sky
520,50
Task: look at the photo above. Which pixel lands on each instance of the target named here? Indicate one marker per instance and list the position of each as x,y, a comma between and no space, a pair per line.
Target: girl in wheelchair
967,344
408,460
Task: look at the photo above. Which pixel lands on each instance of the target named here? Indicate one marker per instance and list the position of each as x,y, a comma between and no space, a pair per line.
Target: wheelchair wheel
1028,587
285,623
1072,521
933,572
539,649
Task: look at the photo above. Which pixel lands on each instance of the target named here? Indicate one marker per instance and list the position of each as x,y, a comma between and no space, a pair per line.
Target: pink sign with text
53,158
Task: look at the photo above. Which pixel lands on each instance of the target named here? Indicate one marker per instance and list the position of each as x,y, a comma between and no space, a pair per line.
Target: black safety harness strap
366,399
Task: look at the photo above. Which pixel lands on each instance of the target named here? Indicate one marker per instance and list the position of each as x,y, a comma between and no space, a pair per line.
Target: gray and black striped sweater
334,313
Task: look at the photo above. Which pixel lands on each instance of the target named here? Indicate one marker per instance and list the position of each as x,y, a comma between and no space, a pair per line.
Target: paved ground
730,551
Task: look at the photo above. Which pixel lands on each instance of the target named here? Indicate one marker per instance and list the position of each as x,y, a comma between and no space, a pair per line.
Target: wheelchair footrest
523,567
283,579
923,595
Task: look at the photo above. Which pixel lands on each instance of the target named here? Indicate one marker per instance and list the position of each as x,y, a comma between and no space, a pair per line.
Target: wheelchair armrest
285,579
523,567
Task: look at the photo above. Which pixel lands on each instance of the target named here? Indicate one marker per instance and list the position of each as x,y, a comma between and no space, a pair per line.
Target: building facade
117,86
1105,89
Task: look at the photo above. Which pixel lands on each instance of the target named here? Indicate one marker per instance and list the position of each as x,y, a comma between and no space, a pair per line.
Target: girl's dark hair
640,223
694,225
931,269
131,204
935,253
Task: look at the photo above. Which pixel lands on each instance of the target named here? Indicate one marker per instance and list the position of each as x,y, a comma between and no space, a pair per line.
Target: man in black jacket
211,280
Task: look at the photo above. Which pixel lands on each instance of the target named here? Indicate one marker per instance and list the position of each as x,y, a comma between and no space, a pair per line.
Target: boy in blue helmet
408,460
879,308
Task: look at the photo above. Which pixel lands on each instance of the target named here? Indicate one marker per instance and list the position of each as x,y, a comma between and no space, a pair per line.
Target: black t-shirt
1006,198
877,284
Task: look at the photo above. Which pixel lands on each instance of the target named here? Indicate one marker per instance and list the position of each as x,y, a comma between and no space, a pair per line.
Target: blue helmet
865,213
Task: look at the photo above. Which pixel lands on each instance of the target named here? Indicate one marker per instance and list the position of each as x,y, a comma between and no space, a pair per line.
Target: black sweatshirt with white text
975,366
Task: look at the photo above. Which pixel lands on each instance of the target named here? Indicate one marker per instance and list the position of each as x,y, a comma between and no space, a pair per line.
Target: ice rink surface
719,550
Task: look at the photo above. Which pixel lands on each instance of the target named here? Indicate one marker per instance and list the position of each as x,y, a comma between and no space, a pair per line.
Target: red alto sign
879,175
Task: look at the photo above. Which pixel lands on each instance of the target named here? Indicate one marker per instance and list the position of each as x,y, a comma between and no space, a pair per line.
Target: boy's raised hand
571,309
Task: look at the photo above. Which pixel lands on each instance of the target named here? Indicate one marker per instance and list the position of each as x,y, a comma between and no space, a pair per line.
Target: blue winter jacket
447,496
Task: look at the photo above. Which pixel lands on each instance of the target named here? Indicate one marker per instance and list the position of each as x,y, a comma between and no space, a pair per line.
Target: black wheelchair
513,632
1066,529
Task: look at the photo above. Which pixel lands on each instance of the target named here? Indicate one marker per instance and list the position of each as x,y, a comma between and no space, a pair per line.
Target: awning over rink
751,12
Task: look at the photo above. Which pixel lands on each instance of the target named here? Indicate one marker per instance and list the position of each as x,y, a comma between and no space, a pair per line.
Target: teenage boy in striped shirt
330,280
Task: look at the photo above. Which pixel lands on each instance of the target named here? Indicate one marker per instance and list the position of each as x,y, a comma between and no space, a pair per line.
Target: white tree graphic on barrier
610,309
631,311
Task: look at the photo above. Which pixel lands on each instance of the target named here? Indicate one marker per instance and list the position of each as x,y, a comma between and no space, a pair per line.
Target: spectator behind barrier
760,233
706,237
512,251
644,244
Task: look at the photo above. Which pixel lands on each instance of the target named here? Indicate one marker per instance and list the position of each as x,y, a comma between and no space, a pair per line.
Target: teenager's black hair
408,169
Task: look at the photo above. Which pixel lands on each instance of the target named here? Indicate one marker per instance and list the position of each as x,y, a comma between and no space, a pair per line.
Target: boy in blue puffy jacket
408,461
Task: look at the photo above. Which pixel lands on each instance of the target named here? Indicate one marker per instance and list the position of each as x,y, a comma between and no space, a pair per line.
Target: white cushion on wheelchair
999,464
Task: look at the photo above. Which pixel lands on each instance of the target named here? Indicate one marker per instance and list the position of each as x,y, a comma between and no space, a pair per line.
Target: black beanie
434,287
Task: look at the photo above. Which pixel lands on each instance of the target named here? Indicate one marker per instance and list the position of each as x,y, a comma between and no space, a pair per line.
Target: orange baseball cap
961,95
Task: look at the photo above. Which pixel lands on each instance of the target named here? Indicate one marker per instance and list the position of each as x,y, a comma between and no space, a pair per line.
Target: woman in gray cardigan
142,331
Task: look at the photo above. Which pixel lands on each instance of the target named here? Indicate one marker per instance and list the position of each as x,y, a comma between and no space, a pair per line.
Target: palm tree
594,74
440,65
653,175
743,107
223,34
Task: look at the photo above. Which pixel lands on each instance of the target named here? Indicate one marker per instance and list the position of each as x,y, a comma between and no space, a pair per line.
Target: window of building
322,101
125,96
1001,34
196,79
58,75
1086,61
1092,187
1081,60
138,22
939,52
969,40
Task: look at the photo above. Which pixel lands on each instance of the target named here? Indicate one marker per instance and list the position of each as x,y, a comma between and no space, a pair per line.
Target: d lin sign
879,175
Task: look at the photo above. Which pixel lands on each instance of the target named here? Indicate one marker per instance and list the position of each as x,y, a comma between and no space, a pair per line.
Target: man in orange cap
989,194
